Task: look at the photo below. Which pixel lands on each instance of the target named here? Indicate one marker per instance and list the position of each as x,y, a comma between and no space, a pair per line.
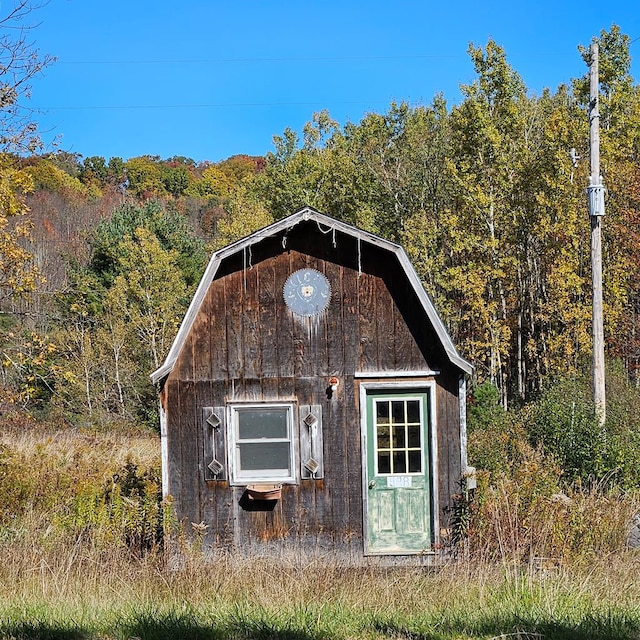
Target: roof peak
306,214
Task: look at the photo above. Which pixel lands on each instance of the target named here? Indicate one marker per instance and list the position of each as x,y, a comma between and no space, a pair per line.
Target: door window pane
398,437
399,462
384,462
413,436
384,441
382,412
397,411
413,411
415,461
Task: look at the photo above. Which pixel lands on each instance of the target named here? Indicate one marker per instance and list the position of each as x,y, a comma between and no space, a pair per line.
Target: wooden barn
312,401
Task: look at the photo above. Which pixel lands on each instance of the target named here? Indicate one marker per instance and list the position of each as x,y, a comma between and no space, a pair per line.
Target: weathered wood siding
245,345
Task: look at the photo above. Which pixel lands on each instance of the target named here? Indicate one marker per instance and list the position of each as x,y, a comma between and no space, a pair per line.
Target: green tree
176,177
94,170
487,129
563,423
619,101
515,229
244,216
117,170
214,184
171,229
141,313
320,171
149,292
123,311
145,177
48,176
218,182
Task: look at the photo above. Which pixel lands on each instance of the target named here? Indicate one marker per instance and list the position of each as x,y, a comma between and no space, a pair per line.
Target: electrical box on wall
470,477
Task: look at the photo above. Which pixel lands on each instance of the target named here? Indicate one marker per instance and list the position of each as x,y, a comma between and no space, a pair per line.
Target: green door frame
369,390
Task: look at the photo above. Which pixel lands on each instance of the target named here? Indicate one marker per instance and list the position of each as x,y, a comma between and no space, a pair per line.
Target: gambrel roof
282,226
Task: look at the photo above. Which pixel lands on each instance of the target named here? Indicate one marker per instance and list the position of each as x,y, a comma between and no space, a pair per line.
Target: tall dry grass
568,526
536,563
79,593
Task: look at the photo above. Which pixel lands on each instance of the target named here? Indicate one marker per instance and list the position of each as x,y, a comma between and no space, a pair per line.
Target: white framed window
262,443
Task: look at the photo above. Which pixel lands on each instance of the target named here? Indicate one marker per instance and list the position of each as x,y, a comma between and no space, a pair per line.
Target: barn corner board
313,401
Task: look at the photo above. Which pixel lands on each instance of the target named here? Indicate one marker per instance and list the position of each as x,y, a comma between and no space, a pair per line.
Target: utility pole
596,212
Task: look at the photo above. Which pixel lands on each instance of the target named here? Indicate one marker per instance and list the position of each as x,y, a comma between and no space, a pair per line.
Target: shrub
563,422
552,481
135,499
497,439
82,485
16,485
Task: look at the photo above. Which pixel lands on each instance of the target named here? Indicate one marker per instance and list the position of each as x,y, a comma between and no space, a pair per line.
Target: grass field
79,561
77,595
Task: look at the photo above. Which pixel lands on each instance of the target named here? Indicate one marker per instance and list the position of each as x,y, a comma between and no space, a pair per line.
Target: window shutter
215,467
311,459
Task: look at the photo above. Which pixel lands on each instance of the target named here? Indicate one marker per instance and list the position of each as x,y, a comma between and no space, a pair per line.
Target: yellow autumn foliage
17,273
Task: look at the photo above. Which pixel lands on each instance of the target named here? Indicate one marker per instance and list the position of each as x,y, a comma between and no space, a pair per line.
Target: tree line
100,257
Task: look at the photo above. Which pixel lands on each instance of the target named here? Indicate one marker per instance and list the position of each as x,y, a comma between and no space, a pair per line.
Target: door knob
372,484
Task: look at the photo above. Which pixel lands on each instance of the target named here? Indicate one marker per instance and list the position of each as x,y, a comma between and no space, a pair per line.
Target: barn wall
245,345
449,454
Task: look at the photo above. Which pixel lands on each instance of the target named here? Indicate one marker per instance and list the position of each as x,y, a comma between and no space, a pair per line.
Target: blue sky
212,79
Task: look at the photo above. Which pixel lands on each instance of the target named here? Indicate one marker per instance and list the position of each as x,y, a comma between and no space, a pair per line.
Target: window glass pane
415,462
382,412
262,423
399,462
413,440
398,437
413,411
397,411
384,462
384,441
256,456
